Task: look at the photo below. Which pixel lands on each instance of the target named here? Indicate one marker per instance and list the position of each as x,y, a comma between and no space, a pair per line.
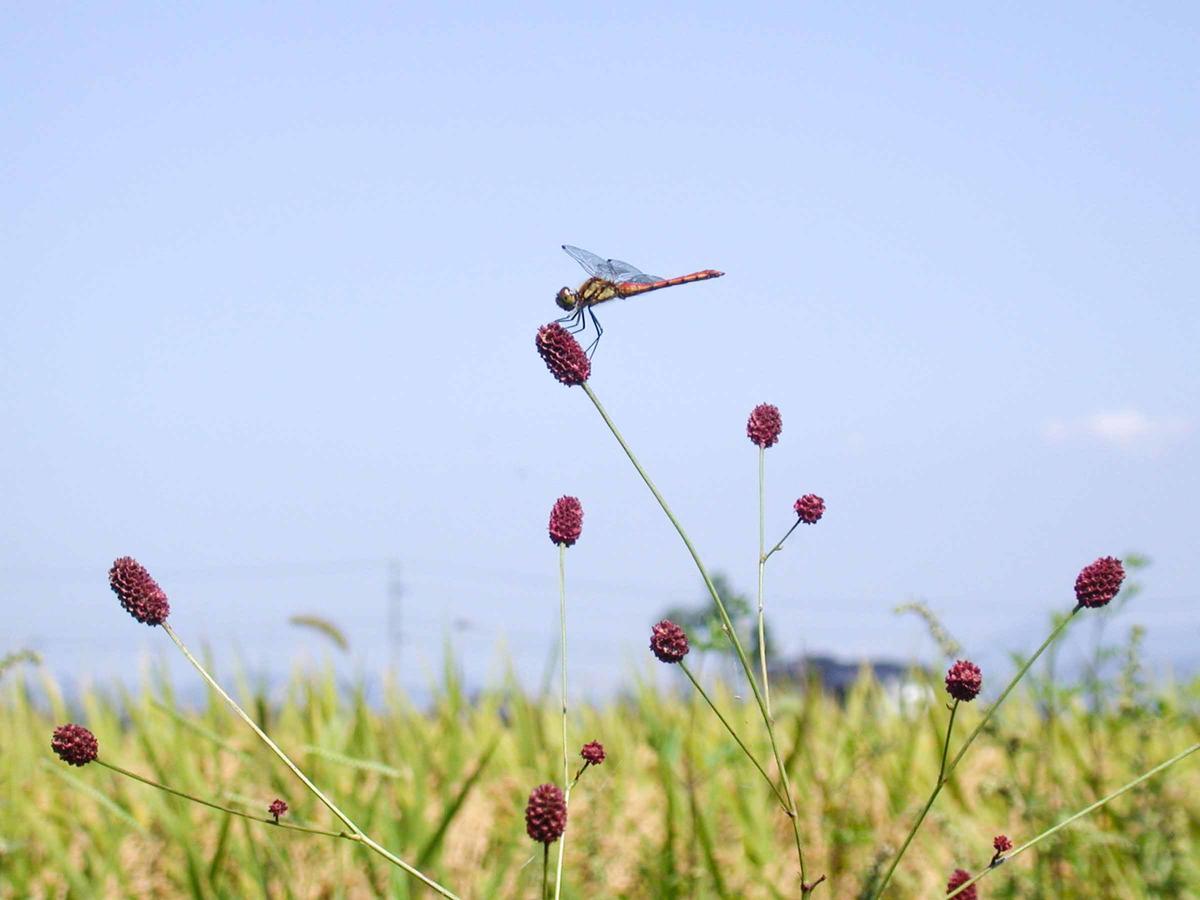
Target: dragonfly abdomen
629,288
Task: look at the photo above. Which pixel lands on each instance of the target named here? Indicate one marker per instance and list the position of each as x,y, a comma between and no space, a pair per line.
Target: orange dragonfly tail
629,288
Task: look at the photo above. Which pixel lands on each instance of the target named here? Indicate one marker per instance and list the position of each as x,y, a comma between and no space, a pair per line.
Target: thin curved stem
567,783
1079,815
349,836
726,622
329,804
750,756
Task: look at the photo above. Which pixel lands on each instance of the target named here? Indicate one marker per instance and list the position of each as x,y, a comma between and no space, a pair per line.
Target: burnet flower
562,355
809,509
74,744
566,521
668,641
593,753
764,425
1099,582
139,594
964,680
546,814
958,879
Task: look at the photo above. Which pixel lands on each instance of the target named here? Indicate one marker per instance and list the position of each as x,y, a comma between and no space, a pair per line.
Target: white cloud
1125,428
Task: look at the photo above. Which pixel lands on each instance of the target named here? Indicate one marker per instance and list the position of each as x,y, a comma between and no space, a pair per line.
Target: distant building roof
838,676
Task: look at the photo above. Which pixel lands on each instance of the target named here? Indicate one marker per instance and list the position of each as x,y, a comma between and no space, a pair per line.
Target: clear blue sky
270,285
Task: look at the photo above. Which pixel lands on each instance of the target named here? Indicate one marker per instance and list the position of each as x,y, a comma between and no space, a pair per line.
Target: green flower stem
937,789
775,549
1012,684
567,784
1079,815
726,621
947,770
762,564
579,774
545,868
750,756
225,809
329,804
946,746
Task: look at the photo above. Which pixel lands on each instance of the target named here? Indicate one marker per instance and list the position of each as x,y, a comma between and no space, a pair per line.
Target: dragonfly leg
599,331
577,321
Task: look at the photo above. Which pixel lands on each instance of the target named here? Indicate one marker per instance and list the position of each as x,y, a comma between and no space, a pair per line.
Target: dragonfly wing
593,264
638,278
623,271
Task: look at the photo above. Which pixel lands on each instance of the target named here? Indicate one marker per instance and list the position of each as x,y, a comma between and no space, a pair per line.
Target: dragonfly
610,278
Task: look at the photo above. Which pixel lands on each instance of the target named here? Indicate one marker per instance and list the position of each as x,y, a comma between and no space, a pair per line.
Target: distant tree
703,624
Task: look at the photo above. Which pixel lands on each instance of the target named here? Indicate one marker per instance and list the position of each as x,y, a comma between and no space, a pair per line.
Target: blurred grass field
675,811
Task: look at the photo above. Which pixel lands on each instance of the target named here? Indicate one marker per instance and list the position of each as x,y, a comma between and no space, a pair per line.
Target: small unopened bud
593,753
957,880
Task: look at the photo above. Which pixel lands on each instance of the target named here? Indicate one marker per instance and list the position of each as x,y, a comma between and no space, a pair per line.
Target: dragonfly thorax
566,299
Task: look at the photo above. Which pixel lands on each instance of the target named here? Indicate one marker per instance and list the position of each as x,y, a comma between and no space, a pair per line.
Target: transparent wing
592,263
638,278
622,271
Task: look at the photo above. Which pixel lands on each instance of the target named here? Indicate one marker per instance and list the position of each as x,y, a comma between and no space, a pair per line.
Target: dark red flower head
810,508
139,593
546,814
74,744
593,752
668,641
1001,843
964,680
277,808
562,355
1099,582
764,425
566,521
958,879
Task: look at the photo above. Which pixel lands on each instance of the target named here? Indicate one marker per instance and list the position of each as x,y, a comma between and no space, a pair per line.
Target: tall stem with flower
1095,586
566,524
569,364
142,597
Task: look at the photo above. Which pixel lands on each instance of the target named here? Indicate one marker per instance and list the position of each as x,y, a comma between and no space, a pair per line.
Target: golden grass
675,811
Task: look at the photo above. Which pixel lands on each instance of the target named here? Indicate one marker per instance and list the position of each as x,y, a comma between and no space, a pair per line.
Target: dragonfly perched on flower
610,278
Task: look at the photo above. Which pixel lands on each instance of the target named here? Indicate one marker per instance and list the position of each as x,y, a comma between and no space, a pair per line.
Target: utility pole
395,635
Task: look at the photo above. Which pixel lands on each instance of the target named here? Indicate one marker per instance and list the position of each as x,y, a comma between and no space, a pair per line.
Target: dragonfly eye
566,299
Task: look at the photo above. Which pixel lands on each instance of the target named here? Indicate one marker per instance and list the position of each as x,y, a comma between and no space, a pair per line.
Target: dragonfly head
566,299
